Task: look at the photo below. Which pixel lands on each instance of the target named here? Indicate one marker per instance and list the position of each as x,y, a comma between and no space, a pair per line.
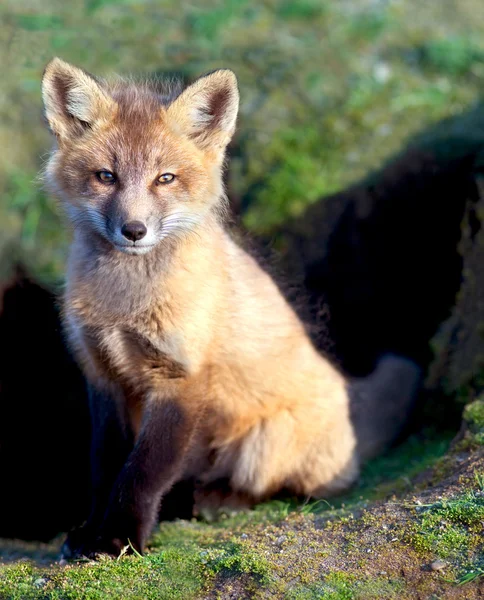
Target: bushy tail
381,403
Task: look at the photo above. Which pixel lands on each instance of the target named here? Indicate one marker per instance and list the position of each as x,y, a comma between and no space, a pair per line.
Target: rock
437,565
459,344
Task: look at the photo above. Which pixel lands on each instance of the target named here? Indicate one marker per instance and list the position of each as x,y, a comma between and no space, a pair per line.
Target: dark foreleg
155,463
111,442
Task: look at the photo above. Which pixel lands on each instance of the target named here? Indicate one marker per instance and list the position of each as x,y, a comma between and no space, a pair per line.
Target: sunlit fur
276,413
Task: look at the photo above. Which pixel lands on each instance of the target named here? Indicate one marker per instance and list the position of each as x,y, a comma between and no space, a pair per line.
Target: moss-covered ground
402,532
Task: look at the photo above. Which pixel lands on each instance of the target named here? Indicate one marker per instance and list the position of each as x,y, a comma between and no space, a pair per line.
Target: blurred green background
330,88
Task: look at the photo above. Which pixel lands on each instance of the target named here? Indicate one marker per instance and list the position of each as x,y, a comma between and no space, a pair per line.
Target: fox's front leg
111,443
155,463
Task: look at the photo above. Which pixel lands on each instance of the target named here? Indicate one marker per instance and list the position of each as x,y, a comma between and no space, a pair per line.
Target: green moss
184,559
172,573
452,55
215,552
340,585
474,417
303,9
237,558
451,528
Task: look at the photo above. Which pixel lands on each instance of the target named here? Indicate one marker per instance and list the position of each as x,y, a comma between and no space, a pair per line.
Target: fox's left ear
73,99
206,111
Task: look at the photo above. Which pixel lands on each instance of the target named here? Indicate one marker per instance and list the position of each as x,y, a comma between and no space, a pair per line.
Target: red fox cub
197,366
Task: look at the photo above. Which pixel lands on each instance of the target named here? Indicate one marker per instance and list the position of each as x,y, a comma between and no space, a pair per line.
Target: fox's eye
166,178
106,176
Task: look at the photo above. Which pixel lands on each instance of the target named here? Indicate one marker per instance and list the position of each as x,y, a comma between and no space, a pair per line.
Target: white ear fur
206,111
72,99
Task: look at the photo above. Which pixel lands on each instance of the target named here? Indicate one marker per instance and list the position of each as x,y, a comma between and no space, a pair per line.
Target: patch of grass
393,471
303,9
474,417
470,576
237,558
479,479
183,560
299,175
344,586
208,24
474,413
454,55
451,528
172,573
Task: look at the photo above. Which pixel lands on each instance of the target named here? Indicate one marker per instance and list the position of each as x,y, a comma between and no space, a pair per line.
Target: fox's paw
77,540
81,545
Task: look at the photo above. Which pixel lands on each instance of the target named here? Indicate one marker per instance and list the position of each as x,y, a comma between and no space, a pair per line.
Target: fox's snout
133,233
134,230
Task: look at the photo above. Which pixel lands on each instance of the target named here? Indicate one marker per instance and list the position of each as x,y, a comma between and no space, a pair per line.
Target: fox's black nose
134,230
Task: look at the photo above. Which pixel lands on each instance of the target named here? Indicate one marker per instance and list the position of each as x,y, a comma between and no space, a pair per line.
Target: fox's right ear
73,99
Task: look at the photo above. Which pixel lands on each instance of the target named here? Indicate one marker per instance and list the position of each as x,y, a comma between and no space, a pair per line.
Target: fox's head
137,163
